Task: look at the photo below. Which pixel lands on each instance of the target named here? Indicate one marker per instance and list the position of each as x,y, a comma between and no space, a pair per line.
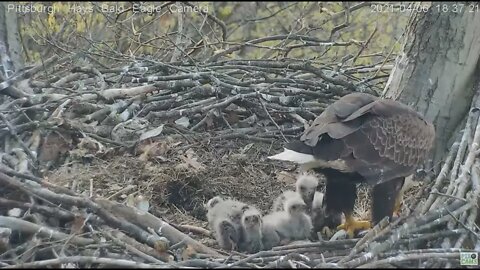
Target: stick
20,141
86,260
194,229
28,227
147,220
135,250
410,257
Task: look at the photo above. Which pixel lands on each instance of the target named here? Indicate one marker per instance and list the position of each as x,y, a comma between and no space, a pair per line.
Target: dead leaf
156,149
188,253
209,122
54,145
87,147
286,177
151,133
77,225
130,200
232,117
139,202
88,143
233,107
142,203
190,161
14,212
130,131
162,245
148,151
183,121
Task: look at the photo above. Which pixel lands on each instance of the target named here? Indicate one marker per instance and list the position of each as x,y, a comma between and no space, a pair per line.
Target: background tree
437,71
10,37
162,110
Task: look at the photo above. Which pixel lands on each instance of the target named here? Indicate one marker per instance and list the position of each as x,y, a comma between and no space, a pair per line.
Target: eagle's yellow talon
351,225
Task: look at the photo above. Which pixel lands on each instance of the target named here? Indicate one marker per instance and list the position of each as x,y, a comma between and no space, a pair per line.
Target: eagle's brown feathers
362,138
378,138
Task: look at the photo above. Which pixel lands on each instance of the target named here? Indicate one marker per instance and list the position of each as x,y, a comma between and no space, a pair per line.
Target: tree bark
436,73
10,36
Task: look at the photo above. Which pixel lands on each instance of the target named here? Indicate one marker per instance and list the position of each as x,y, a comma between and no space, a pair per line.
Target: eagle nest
119,176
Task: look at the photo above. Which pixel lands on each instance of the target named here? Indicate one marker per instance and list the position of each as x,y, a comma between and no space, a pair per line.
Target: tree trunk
437,71
11,59
10,37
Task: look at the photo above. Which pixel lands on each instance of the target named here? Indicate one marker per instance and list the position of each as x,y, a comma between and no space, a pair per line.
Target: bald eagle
361,138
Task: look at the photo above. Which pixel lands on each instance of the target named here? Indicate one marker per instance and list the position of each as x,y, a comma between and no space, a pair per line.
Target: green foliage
225,11
111,29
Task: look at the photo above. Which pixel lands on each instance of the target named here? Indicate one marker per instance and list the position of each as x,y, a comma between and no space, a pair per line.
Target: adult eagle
363,139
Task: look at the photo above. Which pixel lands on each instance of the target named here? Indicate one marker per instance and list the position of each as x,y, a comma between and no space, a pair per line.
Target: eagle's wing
379,139
337,120
391,142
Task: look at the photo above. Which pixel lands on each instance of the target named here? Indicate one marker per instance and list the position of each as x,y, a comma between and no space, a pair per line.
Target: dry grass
364,199
178,194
